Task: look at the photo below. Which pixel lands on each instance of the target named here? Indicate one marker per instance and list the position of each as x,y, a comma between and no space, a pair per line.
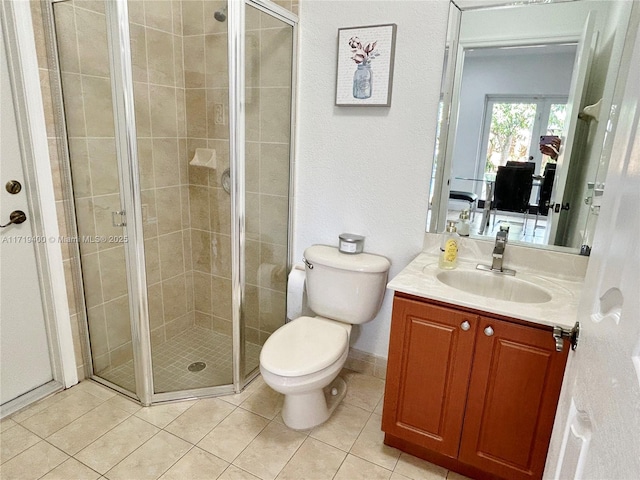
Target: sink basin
492,285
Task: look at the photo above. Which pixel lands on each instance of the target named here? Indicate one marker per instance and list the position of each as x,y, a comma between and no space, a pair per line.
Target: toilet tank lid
360,262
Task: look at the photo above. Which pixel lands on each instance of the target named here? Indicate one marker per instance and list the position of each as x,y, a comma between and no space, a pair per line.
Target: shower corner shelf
204,157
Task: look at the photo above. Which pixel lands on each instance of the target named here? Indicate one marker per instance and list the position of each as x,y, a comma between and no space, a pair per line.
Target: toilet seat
304,346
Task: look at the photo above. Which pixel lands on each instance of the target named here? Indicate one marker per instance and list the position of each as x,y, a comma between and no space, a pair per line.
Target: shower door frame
119,48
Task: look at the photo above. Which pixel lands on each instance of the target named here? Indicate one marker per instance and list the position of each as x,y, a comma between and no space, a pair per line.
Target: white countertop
419,279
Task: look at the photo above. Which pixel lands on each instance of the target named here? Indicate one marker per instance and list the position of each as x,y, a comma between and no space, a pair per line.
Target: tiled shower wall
177,109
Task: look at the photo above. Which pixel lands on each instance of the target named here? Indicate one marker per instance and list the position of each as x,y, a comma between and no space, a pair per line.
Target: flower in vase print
363,76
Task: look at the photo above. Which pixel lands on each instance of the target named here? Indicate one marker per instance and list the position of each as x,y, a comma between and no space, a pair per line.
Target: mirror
523,122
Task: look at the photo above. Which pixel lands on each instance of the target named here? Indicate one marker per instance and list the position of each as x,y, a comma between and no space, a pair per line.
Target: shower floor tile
171,362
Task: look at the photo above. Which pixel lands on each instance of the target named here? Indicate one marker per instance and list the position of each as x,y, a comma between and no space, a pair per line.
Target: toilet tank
344,287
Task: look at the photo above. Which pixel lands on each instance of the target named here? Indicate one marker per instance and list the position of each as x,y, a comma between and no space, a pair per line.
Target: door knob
465,325
17,217
13,187
488,331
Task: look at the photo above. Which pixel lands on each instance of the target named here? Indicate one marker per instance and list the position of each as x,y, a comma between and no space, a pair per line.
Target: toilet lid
303,346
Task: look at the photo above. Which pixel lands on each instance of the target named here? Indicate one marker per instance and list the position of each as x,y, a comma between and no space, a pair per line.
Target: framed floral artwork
365,65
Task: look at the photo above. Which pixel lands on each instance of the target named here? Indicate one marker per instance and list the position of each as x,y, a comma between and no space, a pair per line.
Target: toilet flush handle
307,263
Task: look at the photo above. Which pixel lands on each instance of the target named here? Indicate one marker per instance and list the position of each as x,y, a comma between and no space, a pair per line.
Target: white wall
366,170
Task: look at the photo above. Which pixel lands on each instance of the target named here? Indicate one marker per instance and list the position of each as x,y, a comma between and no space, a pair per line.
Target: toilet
303,358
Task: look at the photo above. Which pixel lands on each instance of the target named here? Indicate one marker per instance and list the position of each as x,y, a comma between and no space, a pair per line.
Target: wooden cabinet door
428,374
512,398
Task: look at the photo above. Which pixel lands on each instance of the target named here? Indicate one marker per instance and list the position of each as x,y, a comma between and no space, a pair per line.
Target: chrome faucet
498,254
498,249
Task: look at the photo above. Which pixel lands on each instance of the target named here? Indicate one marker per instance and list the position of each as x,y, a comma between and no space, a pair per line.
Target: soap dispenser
449,247
463,224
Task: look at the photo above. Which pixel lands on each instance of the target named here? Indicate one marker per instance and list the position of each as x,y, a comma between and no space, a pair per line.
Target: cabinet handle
465,325
488,331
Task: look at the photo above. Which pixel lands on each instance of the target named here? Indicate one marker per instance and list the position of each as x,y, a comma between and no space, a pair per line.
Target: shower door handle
118,222
16,217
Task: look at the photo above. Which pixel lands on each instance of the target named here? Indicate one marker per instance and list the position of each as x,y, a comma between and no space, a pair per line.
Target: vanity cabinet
472,392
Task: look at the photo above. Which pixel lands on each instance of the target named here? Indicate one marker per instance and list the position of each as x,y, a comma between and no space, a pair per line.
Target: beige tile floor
89,432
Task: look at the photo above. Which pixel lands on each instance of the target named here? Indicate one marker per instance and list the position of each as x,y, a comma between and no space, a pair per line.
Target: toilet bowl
300,360
303,358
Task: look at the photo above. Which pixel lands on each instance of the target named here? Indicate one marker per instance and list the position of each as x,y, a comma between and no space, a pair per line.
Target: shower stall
175,118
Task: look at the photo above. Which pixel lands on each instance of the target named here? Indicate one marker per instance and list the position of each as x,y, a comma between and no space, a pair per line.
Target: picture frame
366,56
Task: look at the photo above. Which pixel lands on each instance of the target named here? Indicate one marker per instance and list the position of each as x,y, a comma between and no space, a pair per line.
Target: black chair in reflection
512,190
544,196
528,165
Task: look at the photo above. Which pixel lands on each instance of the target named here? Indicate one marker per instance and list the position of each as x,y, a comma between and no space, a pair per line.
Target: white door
24,351
597,428
577,90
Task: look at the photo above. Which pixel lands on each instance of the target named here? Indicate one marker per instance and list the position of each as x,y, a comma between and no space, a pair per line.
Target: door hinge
559,334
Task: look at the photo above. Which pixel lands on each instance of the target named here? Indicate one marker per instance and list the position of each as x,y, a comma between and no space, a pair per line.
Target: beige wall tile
275,255
216,60
196,113
160,60
252,58
273,309
103,165
253,216
276,46
194,63
97,330
66,38
275,115
80,173
274,169
92,43
149,214
178,326
174,298
274,214
223,326
92,279
118,322
201,250
145,163
38,33
136,11
204,320
168,210
252,308
252,167
163,111
156,314
252,114
98,106
202,292
74,105
177,17
166,169
199,207
221,296
121,355
138,52
142,109
171,255
86,223
221,255
159,14
192,17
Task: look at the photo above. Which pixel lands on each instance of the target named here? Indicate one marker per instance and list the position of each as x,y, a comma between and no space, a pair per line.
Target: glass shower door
269,51
81,36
